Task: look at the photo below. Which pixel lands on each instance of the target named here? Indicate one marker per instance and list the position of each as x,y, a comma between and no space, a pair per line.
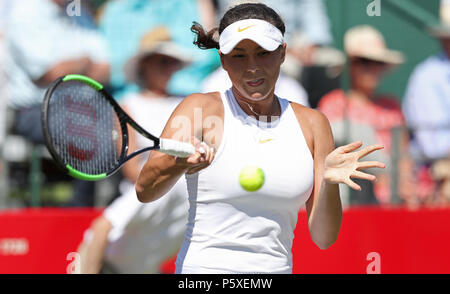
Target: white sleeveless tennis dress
231,230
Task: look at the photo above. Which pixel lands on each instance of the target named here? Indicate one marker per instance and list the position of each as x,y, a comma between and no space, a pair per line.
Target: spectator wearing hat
152,67
427,110
363,113
132,237
123,23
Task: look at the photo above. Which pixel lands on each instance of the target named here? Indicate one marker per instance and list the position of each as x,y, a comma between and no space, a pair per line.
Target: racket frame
123,117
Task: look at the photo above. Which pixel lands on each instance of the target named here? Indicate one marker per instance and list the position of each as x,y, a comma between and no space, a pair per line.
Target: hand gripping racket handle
176,148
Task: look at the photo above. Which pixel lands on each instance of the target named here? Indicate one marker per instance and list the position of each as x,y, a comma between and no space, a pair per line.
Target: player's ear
222,60
283,52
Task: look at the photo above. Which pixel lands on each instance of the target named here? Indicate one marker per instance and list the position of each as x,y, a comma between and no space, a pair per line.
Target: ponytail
204,40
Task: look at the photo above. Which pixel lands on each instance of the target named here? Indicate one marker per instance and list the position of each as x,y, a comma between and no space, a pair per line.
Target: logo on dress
262,141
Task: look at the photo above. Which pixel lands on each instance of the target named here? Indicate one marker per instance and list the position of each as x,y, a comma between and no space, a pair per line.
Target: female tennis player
232,230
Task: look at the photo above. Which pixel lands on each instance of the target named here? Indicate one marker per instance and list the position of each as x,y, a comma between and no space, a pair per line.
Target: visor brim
265,43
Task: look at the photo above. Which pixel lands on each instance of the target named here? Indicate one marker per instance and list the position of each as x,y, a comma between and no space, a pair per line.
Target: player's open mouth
255,83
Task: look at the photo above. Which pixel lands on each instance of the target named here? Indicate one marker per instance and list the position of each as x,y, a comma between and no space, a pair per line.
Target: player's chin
257,94
261,92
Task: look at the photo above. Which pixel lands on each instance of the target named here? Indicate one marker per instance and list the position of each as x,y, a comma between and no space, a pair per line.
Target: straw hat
443,29
367,42
156,41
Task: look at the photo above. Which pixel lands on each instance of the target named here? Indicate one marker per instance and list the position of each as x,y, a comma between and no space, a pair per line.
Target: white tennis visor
259,31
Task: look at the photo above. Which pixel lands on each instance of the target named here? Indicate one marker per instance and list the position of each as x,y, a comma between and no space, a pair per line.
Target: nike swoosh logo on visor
264,141
243,29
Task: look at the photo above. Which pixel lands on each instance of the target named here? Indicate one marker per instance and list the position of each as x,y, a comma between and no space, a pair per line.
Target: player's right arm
162,171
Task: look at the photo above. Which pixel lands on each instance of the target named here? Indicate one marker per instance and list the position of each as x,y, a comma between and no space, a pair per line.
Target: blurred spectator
124,22
286,87
311,59
157,59
4,10
83,15
44,44
427,109
363,114
130,236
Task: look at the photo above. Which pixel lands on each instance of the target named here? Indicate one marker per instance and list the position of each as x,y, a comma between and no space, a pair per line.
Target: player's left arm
332,167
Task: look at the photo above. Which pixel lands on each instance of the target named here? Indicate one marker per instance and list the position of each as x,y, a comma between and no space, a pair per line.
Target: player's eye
263,53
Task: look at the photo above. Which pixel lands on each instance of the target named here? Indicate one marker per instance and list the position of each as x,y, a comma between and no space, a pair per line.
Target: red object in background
403,241
407,242
41,240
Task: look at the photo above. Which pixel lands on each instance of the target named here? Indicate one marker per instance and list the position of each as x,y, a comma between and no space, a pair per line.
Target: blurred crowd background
379,70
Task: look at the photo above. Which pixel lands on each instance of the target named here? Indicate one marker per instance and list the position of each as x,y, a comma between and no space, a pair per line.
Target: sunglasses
368,62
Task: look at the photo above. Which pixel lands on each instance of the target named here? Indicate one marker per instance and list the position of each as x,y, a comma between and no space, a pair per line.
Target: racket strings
84,128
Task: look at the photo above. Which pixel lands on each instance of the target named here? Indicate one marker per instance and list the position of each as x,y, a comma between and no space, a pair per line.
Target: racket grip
176,148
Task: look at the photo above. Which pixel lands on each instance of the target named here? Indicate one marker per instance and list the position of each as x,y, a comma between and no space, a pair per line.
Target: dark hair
207,40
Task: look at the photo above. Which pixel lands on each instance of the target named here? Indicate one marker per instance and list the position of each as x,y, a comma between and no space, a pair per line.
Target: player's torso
278,148
234,230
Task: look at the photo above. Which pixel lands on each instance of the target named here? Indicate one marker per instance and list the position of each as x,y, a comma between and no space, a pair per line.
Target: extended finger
364,176
351,147
352,185
211,155
370,164
366,151
204,150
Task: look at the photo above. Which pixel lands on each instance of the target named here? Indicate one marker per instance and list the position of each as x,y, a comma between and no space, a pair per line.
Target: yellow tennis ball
251,178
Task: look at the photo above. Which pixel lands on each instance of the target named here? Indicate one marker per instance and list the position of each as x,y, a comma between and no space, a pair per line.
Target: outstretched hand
342,164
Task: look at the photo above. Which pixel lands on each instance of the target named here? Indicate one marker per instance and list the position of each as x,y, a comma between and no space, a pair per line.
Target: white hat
443,29
156,41
259,31
365,41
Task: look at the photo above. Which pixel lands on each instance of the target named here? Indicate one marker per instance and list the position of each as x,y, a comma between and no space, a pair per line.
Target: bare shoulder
209,103
314,124
311,120
310,116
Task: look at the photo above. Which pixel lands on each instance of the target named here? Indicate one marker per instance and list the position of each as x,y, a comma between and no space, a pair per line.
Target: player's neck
267,107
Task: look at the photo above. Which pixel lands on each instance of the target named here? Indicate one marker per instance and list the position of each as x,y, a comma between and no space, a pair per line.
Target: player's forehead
247,45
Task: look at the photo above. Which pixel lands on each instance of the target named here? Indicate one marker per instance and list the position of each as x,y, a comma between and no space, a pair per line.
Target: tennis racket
86,130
